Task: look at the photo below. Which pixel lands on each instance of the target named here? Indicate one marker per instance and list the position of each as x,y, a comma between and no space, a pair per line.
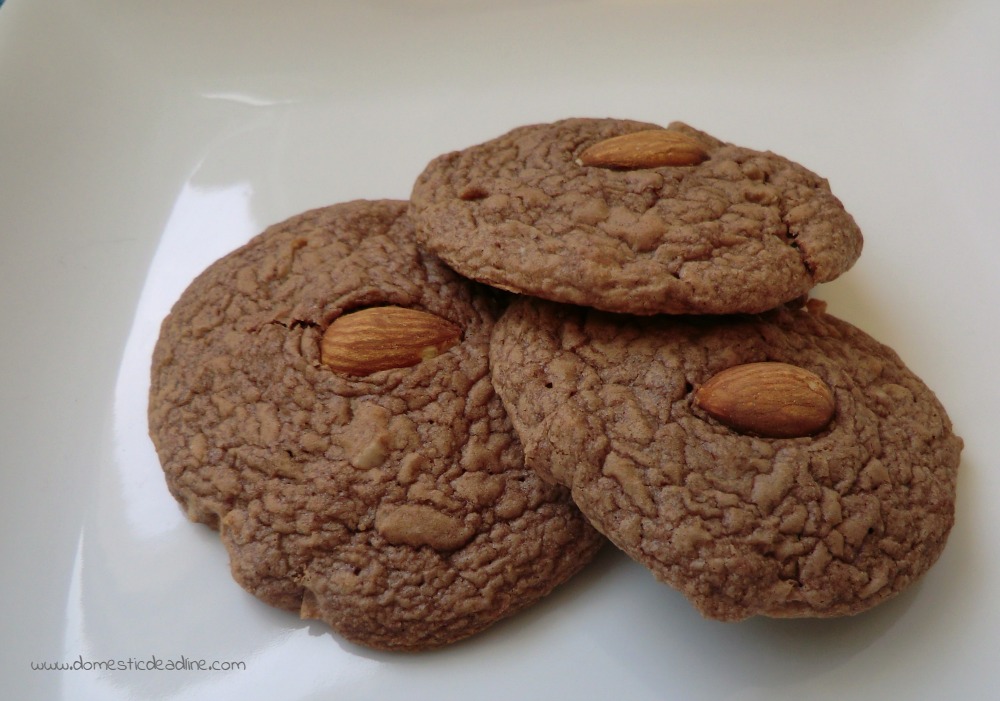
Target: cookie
831,520
692,225
391,503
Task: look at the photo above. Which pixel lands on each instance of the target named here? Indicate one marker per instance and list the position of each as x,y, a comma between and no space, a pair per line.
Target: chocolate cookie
662,221
850,506
391,503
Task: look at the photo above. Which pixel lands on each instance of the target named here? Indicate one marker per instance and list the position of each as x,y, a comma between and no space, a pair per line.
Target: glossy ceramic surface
141,141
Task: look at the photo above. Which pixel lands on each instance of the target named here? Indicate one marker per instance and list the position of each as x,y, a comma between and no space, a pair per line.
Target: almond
770,399
645,149
381,338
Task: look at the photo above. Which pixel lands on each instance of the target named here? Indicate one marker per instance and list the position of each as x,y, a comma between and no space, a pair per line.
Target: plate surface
141,141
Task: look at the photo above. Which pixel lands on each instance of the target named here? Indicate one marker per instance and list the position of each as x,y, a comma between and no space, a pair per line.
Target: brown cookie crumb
394,506
741,231
823,525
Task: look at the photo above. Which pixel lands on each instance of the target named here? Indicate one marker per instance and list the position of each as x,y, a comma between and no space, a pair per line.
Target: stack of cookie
410,420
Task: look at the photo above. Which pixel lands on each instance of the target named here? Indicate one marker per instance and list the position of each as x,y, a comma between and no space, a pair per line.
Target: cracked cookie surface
743,231
396,506
820,526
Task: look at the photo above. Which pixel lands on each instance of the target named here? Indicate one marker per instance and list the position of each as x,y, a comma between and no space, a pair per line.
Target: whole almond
651,148
775,400
381,338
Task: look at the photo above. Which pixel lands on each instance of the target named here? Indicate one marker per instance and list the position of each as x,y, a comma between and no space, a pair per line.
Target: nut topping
770,399
651,148
381,338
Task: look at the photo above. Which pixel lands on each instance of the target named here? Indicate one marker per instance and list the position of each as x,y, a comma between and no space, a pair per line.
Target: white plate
140,141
